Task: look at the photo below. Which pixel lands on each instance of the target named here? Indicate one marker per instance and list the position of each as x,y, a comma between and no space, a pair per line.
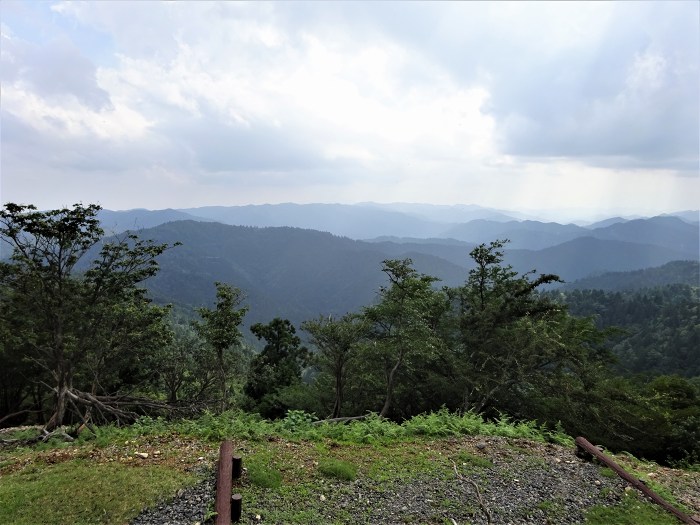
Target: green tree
77,326
504,330
220,329
337,342
276,368
403,323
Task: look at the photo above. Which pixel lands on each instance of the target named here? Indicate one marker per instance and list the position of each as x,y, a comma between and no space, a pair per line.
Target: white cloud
265,102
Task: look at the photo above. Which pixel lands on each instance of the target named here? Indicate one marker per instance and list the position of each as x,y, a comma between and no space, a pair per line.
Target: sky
587,109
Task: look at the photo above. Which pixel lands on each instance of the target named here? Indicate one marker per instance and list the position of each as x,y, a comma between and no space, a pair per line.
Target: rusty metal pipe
583,444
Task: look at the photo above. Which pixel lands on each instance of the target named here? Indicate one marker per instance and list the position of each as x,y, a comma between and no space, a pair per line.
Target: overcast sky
590,106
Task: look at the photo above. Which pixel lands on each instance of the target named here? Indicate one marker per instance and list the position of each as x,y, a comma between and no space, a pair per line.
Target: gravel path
539,484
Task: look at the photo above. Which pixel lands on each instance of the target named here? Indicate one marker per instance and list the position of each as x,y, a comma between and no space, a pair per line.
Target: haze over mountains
468,223
301,261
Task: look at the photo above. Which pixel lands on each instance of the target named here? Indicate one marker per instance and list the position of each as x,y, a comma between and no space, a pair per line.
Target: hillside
288,272
300,274
675,272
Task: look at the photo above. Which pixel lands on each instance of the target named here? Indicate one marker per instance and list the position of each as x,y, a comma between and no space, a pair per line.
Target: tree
337,344
503,327
76,326
404,322
219,328
179,362
276,368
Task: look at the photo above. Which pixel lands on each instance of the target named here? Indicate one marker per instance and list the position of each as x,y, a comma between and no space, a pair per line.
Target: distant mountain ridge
466,223
302,273
301,261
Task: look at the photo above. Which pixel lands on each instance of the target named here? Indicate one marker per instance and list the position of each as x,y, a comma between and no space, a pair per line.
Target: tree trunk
391,379
61,401
338,396
222,381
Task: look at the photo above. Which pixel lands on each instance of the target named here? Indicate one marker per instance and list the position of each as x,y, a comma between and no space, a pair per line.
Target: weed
298,421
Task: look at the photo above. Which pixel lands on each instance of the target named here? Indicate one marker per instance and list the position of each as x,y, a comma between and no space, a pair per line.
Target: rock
142,455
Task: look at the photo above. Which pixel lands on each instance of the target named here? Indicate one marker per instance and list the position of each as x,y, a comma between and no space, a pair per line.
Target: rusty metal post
584,444
236,507
223,485
237,467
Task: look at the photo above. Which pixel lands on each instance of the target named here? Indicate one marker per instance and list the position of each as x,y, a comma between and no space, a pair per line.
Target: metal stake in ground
237,467
236,507
223,484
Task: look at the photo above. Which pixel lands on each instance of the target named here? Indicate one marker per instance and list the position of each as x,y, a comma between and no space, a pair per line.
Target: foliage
503,331
661,326
276,368
186,368
219,328
403,324
337,344
86,334
494,355
298,420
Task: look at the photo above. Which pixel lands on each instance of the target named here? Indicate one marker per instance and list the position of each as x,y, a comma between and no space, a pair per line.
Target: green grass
468,459
553,509
81,492
633,510
339,469
294,469
607,472
264,476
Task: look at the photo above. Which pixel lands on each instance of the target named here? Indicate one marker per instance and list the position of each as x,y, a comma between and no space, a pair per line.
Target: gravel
189,506
529,484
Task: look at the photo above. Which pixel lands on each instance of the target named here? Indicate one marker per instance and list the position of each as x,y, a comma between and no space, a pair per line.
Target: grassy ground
290,468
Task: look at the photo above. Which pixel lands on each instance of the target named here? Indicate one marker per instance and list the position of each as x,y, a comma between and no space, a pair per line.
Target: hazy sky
591,105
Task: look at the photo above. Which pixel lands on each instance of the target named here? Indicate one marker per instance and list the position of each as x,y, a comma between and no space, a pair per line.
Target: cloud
56,71
343,101
633,103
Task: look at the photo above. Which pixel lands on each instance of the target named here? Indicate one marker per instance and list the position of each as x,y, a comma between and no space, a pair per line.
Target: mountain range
468,223
301,273
302,261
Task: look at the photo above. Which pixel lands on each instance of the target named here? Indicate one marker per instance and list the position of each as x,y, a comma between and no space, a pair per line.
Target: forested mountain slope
288,272
300,274
674,272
